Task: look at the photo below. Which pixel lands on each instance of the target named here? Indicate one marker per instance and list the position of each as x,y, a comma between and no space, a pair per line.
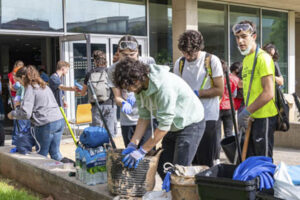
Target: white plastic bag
283,186
157,195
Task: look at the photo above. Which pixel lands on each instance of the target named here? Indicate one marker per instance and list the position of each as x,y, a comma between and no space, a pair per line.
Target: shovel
237,141
101,115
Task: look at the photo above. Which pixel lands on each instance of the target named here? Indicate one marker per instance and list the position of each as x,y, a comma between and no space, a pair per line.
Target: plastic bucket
216,183
229,147
131,182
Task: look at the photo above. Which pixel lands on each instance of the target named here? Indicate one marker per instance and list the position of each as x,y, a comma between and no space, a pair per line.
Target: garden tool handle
246,142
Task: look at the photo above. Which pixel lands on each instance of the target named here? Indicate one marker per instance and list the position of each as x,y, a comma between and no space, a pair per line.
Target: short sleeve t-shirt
194,72
12,80
132,118
54,83
264,67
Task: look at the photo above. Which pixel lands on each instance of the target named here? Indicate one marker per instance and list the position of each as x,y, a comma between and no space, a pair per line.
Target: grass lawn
8,192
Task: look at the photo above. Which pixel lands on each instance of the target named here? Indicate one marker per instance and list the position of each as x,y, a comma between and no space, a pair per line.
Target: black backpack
283,109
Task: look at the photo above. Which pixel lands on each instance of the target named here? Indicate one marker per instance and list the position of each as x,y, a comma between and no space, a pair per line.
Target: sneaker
217,162
67,160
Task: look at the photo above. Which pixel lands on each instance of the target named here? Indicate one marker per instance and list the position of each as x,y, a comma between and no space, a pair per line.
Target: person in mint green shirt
261,104
172,102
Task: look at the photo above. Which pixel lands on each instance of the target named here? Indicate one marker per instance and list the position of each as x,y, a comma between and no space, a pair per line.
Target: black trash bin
216,184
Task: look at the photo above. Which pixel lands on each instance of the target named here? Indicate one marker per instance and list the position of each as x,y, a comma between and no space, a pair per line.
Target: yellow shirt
264,67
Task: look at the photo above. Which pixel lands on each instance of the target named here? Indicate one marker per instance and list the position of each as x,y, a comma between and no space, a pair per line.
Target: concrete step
48,177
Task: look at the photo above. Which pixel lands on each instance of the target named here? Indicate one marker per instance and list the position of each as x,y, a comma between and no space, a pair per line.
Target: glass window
238,14
80,64
46,15
160,15
110,17
212,24
275,30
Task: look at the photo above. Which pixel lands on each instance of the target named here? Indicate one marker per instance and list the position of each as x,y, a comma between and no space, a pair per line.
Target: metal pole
237,143
88,51
101,115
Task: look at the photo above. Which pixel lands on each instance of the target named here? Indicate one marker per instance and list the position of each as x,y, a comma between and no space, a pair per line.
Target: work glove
243,118
166,184
130,148
126,107
131,99
196,93
132,160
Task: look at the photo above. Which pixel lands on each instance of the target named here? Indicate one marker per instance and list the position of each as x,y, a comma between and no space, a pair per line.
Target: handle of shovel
246,142
67,122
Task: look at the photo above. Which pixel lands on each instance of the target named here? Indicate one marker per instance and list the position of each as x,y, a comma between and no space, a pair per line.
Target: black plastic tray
216,184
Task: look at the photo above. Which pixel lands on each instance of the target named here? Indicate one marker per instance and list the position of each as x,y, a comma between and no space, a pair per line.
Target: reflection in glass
238,14
111,17
212,25
46,15
80,65
160,22
275,30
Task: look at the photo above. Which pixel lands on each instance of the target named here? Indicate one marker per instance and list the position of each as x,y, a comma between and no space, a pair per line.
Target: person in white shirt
206,79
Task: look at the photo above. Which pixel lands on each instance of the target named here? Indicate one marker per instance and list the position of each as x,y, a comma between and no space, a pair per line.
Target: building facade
40,32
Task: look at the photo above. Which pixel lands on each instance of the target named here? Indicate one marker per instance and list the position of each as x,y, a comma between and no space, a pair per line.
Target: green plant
8,192
163,57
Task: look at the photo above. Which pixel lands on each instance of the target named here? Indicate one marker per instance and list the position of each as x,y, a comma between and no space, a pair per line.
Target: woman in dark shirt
273,51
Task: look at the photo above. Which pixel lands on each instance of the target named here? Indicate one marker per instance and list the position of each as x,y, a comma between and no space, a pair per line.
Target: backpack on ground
99,82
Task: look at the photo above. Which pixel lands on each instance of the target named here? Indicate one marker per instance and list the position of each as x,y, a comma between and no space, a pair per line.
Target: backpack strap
207,65
181,65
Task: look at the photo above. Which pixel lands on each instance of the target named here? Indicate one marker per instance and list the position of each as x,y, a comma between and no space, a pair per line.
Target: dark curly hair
128,71
268,47
191,41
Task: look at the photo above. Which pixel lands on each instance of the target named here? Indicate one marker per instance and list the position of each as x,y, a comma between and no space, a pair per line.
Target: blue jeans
49,137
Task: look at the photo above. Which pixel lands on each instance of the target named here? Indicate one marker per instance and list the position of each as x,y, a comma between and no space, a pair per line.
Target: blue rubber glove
130,148
131,99
243,118
13,150
133,159
126,107
196,93
167,182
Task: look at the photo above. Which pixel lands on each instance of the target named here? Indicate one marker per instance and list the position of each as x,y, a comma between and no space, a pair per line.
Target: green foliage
163,57
8,192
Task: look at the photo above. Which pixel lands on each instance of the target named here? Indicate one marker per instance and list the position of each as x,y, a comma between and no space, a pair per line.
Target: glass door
74,50
143,50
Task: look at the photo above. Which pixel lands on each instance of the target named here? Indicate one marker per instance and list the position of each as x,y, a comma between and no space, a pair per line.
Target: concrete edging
48,177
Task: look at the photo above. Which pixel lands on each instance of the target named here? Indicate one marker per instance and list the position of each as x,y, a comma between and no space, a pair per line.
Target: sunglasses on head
242,27
128,45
